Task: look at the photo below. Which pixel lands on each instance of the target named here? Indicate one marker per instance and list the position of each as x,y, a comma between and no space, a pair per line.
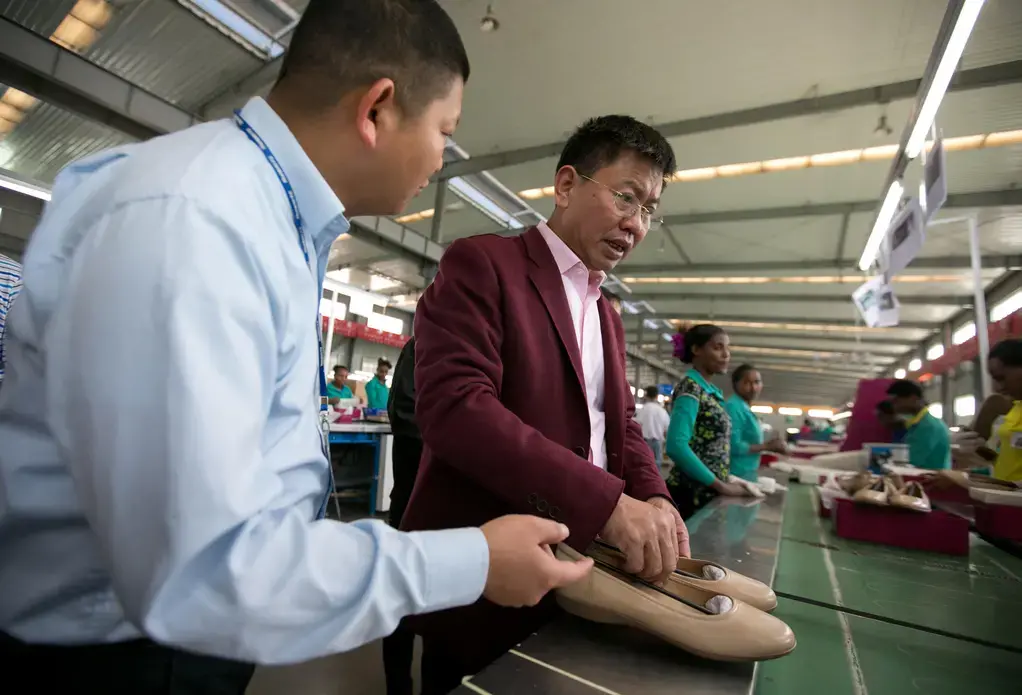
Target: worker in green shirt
746,433
928,438
376,390
337,388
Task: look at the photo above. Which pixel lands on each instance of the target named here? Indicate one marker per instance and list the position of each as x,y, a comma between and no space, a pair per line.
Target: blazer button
555,513
581,452
542,506
533,498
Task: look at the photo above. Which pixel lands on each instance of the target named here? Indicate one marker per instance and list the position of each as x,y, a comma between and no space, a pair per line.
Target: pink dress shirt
582,289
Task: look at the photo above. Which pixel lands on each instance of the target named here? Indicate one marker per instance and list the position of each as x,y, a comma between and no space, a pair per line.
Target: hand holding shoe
522,565
645,535
680,530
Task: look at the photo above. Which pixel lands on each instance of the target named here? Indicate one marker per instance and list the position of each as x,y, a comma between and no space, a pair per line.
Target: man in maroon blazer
523,402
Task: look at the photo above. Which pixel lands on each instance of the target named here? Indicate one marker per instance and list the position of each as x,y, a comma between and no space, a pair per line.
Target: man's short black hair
650,391
1008,351
885,407
341,366
341,45
384,363
905,388
599,142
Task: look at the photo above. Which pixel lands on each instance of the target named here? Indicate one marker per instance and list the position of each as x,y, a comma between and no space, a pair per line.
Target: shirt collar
565,258
322,211
738,400
917,418
694,374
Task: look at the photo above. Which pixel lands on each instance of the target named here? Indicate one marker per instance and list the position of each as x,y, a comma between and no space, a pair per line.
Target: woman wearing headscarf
699,437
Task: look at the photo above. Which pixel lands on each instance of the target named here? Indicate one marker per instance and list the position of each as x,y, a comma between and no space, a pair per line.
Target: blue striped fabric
10,285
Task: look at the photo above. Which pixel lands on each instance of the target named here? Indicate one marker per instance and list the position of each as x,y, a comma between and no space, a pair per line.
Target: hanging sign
877,303
935,179
906,236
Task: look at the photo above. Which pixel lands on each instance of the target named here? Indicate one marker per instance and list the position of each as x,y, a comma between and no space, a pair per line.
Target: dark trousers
138,667
398,647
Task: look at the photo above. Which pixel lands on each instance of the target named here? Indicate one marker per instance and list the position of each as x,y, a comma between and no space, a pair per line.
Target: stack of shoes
911,496
702,608
891,491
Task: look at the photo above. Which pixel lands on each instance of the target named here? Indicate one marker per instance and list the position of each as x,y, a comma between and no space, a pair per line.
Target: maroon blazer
502,409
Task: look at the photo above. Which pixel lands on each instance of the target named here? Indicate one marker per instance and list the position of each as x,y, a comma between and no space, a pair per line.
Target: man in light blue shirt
188,514
10,286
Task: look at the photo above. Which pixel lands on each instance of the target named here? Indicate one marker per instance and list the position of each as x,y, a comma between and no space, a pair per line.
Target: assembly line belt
972,572
899,623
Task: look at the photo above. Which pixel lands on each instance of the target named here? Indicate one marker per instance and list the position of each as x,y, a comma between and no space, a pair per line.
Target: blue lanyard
296,216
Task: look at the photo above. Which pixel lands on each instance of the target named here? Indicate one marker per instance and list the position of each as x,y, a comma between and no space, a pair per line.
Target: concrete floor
356,673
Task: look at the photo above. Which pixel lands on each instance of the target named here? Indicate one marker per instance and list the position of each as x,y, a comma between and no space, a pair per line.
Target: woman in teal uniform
746,432
699,437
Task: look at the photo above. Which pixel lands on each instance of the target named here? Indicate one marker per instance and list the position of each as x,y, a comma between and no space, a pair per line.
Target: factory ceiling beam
975,78
978,199
910,325
49,72
824,265
920,300
748,336
257,83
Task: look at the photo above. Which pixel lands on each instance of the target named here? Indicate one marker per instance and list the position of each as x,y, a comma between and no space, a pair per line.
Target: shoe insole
617,551
632,579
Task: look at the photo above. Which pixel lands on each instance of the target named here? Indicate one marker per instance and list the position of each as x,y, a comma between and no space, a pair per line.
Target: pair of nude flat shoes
890,491
702,608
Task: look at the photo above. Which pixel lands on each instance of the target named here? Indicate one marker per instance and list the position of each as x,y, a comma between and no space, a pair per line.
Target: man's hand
647,537
522,565
681,531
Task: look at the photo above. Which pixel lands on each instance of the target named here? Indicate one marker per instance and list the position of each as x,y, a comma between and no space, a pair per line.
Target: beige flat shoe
853,483
877,493
911,497
685,617
704,575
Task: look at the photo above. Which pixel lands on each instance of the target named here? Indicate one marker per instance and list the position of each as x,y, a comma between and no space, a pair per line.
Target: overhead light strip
824,159
18,186
798,279
883,221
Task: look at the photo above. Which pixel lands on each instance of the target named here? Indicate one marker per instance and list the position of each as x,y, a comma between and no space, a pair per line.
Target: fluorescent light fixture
937,410
472,195
629,307
883,221
821,413
844,415
762,409
899,374
914,364
236,26
632,389
640,393
965,406
339,309
964,333
787,279
382,322
935,351
1006,307
650,324
667,336
942,77
789,411
13,184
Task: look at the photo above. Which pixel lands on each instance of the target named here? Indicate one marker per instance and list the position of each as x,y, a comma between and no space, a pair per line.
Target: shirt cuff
457,564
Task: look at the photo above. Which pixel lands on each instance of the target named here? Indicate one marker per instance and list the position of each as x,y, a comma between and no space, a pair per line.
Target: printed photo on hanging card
935,178
906,236
877,303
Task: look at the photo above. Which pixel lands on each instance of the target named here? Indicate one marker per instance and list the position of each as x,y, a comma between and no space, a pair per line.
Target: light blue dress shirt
160,456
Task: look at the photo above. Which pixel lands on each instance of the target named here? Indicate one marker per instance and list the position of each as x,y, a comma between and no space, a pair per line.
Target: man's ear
377,107
565,180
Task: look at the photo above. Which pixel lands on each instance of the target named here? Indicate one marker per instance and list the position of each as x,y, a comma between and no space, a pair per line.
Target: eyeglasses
627,204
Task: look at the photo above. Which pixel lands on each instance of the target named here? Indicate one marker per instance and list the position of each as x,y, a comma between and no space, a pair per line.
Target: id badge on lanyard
296,216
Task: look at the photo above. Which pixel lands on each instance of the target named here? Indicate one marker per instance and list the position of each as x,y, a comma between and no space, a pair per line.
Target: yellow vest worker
1009,457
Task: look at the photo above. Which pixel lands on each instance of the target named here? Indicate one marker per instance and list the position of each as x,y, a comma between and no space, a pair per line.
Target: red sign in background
350,329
